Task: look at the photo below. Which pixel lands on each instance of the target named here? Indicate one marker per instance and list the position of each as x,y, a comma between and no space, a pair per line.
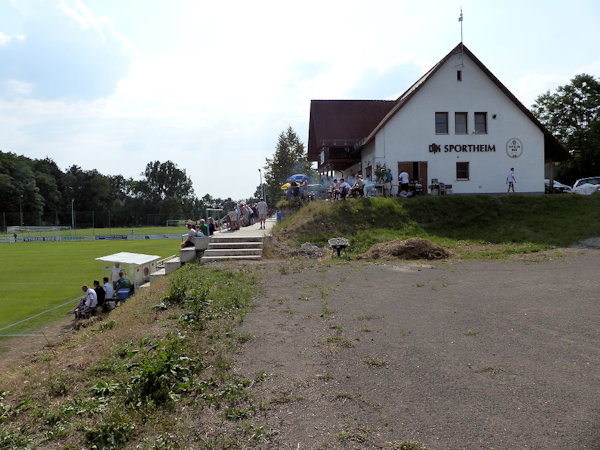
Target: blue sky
114,84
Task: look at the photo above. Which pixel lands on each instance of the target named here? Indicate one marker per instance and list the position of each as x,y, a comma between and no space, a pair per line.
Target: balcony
336,155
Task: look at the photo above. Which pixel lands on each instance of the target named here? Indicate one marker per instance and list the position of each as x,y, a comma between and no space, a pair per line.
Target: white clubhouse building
458,124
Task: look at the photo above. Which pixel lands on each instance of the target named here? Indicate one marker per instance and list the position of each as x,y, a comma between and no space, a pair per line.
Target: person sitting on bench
100,294
87,304
189,241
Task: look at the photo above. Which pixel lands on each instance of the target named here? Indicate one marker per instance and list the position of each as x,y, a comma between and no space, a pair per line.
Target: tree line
37,192
572,114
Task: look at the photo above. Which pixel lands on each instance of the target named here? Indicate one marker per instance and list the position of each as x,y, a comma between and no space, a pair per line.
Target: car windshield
591,180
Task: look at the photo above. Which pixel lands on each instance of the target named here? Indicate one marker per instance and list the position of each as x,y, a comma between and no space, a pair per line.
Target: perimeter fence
79,219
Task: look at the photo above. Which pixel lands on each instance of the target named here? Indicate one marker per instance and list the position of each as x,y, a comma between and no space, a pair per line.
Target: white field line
39,314
28,335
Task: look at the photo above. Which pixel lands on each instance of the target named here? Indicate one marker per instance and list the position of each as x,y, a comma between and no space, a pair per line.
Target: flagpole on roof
460,19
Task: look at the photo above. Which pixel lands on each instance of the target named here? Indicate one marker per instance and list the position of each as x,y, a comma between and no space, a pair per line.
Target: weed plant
120,400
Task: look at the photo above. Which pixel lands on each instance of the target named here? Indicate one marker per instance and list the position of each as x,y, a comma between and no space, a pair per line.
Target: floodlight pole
262,188
21,210
72,214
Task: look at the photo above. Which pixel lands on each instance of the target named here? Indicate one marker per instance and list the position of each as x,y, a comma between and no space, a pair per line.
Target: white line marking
39,314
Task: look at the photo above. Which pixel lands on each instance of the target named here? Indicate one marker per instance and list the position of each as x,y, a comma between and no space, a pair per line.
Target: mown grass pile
143,377
528,222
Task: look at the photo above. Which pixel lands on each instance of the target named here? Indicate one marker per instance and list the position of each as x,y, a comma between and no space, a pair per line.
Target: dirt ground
455,354
451,354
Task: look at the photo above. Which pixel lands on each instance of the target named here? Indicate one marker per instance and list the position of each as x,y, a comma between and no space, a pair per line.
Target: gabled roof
343,122
553,149
357,122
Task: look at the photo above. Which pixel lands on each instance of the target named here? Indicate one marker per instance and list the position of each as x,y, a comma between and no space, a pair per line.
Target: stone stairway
245,245
224,248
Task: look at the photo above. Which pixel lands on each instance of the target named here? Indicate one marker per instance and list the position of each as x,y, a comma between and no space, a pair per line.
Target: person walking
511,180
262,212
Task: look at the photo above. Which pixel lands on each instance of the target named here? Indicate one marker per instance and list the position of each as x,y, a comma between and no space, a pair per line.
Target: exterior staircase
237,248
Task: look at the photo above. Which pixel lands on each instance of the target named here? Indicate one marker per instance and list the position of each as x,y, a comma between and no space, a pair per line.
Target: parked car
589,180
559,188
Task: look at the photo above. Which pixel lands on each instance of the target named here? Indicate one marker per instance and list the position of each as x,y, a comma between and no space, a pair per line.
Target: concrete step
158,274
233,252
187,254
172,265
201,243
208,259
221,239
222,245
144,286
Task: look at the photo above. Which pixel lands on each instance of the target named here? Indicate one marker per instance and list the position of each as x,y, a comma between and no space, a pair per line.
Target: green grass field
37,276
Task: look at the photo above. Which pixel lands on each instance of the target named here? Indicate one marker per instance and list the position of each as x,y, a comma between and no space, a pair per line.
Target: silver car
558,187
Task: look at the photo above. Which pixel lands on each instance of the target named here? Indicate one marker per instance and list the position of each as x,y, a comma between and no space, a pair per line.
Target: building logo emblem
514,148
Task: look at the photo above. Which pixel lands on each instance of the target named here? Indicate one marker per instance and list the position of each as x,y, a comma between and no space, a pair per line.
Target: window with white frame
441,123
481,122
460,123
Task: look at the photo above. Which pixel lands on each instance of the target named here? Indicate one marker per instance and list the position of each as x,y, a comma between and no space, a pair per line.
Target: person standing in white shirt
403,178
511,180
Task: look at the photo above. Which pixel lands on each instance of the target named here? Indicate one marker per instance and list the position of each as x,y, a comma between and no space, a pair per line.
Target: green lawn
37,276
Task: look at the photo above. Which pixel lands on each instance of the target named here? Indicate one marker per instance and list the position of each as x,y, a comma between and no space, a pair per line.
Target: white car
586,189
589,180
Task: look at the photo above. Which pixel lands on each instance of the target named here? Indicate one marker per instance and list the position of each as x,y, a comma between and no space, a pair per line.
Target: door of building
417,170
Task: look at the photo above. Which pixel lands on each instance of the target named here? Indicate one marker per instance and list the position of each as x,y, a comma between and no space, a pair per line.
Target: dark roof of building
343,122
321,122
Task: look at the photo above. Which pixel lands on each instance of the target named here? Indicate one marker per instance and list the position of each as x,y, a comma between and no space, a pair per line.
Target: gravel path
457,354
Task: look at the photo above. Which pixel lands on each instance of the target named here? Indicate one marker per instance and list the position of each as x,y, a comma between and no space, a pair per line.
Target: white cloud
6,39
82,15
18,87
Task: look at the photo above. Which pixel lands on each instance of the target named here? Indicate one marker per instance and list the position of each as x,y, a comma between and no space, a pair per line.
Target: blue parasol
299,177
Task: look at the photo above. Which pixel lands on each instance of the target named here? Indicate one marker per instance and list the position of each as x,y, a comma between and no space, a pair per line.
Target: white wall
408,135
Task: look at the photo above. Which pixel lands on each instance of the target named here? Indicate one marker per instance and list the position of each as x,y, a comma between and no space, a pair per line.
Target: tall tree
165,180
289,158
572,114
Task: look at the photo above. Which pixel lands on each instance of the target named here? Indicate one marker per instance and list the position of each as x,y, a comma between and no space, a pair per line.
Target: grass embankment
38,276
154,374
525,223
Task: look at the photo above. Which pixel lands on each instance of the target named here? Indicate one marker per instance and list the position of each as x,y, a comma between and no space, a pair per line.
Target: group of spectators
242,214
297,190
101,296
342,189
199,229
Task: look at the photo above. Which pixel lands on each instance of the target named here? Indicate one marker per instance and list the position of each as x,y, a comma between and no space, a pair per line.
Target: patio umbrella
299,177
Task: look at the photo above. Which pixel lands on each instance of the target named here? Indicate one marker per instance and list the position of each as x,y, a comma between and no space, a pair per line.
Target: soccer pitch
39,276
